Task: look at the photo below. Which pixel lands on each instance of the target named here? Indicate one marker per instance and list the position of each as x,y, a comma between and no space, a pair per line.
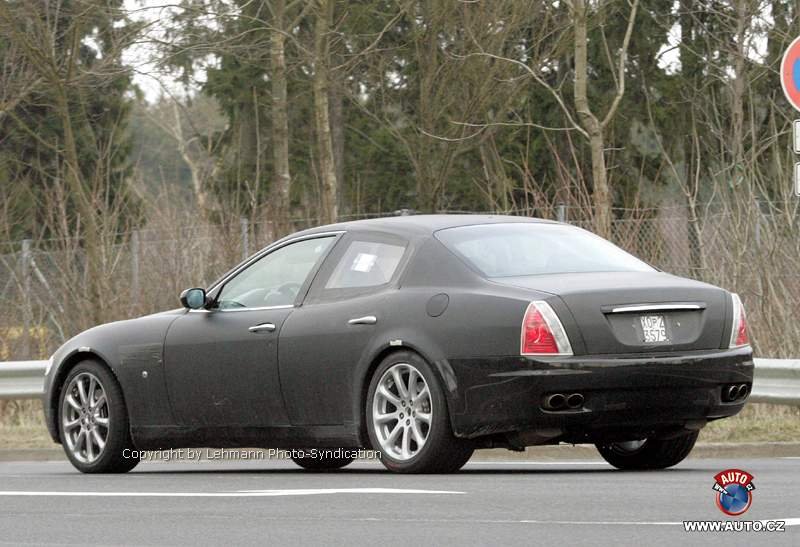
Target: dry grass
756,423
22,426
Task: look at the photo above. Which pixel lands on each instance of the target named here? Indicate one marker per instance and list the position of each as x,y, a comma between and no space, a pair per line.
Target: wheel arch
65,367
440,367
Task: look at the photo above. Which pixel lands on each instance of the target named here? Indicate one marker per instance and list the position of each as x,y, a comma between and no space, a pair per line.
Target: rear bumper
624,396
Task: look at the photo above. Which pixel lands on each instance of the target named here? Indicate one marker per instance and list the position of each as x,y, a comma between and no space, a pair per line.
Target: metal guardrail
777,381
22,379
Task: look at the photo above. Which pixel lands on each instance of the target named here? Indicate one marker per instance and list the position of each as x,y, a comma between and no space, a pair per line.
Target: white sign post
797,179
796,147
796,136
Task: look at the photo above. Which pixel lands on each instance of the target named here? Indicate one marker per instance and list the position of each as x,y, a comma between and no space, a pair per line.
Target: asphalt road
273,502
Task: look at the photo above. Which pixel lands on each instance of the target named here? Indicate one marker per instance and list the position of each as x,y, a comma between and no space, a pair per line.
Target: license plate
654,329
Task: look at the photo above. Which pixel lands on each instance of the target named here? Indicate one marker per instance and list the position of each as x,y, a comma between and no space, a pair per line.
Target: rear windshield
509,250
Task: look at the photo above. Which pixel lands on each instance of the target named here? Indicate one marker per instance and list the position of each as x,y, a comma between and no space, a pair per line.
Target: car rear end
606,347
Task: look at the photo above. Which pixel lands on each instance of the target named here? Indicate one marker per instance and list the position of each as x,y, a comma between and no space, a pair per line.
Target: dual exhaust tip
734,392
562,401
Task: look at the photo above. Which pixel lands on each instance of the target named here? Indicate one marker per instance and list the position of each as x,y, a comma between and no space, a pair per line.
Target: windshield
509,250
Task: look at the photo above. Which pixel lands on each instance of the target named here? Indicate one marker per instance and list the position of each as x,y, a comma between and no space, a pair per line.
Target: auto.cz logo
734,496
734,489
734,525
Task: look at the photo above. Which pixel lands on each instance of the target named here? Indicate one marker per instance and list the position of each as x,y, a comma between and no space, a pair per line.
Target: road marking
598,462
236,494
317,491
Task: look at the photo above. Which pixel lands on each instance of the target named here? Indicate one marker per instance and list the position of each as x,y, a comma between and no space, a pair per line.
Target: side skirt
324,436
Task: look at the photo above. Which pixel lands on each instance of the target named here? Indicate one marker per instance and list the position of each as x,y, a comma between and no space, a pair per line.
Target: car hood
110,341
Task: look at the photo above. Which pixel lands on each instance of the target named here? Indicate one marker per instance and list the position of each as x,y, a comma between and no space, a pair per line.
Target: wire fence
47,295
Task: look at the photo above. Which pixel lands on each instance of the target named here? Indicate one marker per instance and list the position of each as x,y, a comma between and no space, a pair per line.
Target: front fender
128,348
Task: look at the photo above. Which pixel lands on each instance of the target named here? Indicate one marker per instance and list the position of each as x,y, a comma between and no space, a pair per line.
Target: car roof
420,224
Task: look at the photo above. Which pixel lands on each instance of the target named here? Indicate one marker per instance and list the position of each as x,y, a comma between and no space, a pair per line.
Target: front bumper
625,397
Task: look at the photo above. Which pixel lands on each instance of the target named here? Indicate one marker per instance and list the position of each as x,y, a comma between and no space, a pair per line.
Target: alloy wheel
402,411
85,418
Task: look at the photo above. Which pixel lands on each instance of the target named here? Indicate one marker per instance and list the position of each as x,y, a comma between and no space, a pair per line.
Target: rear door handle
366,320
263,327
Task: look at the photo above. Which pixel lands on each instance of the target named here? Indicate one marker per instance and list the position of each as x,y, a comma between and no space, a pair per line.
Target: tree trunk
689,71
738,89
429,152
91,230
327,169
337,136
83,197
601,193
196,170
282,180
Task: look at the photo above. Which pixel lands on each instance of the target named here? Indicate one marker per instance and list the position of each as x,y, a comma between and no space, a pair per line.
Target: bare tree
588,123
594,126
282,177
196,127
322,116
49,39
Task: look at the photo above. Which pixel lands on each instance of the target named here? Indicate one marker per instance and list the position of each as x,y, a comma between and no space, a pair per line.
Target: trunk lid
635,312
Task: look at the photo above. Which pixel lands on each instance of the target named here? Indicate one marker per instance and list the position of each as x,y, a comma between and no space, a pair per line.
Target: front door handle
366,320
263,327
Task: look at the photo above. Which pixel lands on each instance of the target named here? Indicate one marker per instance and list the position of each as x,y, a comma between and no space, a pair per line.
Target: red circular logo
790,73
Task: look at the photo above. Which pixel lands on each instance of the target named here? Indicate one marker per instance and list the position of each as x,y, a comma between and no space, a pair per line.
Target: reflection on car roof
421,224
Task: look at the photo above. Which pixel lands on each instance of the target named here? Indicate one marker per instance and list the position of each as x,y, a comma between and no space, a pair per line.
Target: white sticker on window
364,262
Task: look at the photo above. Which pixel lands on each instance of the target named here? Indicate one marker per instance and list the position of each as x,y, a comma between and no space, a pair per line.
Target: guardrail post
25,272
561,213
135,267
245,238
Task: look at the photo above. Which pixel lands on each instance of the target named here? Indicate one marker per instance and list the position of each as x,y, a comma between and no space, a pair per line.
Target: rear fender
399,340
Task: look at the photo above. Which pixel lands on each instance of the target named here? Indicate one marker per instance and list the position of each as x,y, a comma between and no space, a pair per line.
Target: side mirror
194,299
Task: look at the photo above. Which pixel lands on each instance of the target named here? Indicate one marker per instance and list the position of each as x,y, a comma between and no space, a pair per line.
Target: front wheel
648,453
93,421
407,418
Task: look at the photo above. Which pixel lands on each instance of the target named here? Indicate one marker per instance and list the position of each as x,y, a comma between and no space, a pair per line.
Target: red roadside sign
790,73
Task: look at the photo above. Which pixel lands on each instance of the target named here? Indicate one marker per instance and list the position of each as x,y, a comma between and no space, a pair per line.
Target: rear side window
366,264
510,250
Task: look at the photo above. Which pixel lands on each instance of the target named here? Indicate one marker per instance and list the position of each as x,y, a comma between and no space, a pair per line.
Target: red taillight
542,332
739,335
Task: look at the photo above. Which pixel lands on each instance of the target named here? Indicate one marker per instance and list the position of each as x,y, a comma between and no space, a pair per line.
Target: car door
324,339
221,362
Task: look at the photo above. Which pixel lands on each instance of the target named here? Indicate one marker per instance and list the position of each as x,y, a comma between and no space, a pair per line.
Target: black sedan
421,337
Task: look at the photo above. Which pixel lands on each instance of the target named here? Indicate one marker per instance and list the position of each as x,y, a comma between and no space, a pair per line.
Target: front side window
519,249
275,279
366,264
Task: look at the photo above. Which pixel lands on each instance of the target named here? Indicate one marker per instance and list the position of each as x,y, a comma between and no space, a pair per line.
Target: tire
84,423
322,464
440,450
651,454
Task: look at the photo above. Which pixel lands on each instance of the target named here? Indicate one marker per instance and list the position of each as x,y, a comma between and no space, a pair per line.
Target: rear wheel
648,453
322,464
407,418
93,421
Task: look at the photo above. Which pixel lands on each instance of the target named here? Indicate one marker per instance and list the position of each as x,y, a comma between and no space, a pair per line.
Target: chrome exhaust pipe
575,401
731,393
555,401
742,392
